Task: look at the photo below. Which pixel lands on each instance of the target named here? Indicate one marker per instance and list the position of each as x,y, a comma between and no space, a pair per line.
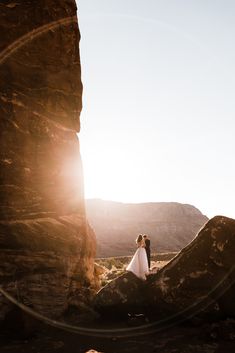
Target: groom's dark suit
147,248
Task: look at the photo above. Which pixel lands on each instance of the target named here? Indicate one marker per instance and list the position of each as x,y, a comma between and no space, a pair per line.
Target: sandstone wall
46,245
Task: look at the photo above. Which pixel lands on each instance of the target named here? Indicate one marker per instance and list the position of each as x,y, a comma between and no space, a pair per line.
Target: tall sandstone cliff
46,245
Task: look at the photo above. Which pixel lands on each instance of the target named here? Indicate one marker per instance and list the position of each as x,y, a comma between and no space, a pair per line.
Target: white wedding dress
139,263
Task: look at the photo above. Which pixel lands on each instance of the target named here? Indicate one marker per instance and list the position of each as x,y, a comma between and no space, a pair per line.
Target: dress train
139,263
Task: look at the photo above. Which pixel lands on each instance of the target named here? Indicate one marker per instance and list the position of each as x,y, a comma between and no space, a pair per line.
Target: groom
147,248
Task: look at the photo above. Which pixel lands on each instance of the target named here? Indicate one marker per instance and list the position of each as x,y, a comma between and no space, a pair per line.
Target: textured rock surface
199,280
171,225
122,295
47,247
200,274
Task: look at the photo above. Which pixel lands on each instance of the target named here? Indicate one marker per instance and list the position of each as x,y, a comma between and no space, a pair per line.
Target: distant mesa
170,225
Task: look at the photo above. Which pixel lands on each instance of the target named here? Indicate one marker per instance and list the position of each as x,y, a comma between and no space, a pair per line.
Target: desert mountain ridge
170,225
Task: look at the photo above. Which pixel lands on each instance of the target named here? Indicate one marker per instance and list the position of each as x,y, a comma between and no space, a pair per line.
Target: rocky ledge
198,282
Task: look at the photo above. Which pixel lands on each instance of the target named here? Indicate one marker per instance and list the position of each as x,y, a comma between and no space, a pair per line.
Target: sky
158,105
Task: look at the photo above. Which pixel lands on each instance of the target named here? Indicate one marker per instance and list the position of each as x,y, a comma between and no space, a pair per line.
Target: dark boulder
196,282
121,296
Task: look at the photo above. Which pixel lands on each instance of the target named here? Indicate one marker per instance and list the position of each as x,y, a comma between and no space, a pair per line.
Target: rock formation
199,281
47,246
123,295
200,275
171,225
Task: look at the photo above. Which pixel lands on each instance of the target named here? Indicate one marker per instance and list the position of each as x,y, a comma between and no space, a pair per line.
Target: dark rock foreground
207,338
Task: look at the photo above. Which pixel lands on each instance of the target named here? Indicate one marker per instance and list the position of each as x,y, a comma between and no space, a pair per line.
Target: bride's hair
139,238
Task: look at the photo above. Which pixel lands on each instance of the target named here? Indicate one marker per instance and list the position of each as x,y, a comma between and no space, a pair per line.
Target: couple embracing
140,263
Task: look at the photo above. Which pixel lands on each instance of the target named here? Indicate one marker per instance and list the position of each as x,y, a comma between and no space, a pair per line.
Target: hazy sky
158,118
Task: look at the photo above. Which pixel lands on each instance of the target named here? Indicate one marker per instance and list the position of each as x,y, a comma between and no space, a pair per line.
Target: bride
139,262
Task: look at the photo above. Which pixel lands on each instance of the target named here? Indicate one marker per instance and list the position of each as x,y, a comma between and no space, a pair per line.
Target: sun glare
71,175
123,170
112,171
